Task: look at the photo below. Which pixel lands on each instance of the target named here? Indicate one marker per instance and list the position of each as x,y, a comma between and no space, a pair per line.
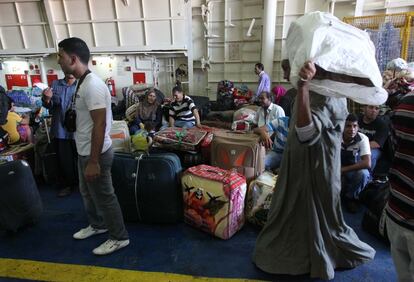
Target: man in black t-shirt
376,129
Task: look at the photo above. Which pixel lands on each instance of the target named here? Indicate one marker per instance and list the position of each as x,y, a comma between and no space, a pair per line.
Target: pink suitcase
214,200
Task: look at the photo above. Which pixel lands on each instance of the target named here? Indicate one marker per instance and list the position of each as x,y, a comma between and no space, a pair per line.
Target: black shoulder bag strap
81,79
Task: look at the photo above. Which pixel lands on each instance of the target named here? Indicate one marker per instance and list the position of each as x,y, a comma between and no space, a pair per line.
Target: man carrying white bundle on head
305,230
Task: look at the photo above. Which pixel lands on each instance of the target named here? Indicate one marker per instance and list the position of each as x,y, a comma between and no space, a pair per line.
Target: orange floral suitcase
214,200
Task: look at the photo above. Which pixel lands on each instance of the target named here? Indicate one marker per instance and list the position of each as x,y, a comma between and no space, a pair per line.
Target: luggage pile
199,175
225,100
242,95
230,97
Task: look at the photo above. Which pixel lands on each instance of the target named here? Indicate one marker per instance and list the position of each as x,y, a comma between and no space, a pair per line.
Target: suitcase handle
216,172
237,132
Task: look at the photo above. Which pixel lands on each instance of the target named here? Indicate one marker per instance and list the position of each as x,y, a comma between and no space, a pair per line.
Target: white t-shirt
356,149
273,112
93,94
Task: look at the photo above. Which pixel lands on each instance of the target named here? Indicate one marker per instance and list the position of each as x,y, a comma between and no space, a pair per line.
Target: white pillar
268,36
332,8
359,8
43,70
190,66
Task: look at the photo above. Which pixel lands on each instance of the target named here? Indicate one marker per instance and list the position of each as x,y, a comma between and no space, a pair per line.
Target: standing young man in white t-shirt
355,163
93,123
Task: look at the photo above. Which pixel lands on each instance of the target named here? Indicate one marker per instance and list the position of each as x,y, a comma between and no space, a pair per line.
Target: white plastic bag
121,141
245,114
397,64
339,48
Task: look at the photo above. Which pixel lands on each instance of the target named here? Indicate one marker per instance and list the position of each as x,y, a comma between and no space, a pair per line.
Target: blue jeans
99,199
354,182
272,160
375,155
183,123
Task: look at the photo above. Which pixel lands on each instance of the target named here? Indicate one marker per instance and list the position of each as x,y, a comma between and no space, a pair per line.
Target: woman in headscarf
149,114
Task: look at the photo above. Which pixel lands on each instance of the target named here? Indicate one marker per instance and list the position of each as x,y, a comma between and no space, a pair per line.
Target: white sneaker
88,232
110,246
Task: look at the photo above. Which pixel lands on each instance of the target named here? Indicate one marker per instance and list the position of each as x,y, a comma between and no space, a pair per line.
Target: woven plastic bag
339,48
259,198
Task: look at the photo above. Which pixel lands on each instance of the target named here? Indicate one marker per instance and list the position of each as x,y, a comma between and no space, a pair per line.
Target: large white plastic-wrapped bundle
338,48
397,64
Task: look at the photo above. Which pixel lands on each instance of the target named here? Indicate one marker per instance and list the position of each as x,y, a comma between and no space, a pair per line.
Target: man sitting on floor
355,162
274,135
267,111
375,129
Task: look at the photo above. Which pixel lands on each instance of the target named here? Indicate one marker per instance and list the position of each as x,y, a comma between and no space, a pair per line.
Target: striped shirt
183,110
400,207
279,126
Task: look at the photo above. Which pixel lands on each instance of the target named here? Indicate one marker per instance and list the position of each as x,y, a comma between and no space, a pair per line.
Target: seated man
274,135
183,111
267,111
17,127
375,129
355,163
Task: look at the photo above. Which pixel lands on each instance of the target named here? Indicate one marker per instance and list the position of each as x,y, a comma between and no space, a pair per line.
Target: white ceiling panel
132,33
157,8
11,38
34,37
106,34
76,10
8,13
179,35
158,32
177,8
133,25
132,10
102,9
83,31
57,9
29,12
61,32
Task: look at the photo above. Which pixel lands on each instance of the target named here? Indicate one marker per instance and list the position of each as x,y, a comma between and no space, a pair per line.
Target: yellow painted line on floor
48,271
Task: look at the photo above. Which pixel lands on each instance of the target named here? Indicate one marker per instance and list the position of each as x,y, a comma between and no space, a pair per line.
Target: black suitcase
49,166
375,197
148,187
187,159
49,159
375,224
20,202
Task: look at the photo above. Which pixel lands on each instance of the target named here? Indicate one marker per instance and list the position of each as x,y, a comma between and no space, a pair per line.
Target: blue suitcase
20,202
148,187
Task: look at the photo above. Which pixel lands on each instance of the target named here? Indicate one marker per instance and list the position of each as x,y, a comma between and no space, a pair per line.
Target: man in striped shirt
400,207
183,111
